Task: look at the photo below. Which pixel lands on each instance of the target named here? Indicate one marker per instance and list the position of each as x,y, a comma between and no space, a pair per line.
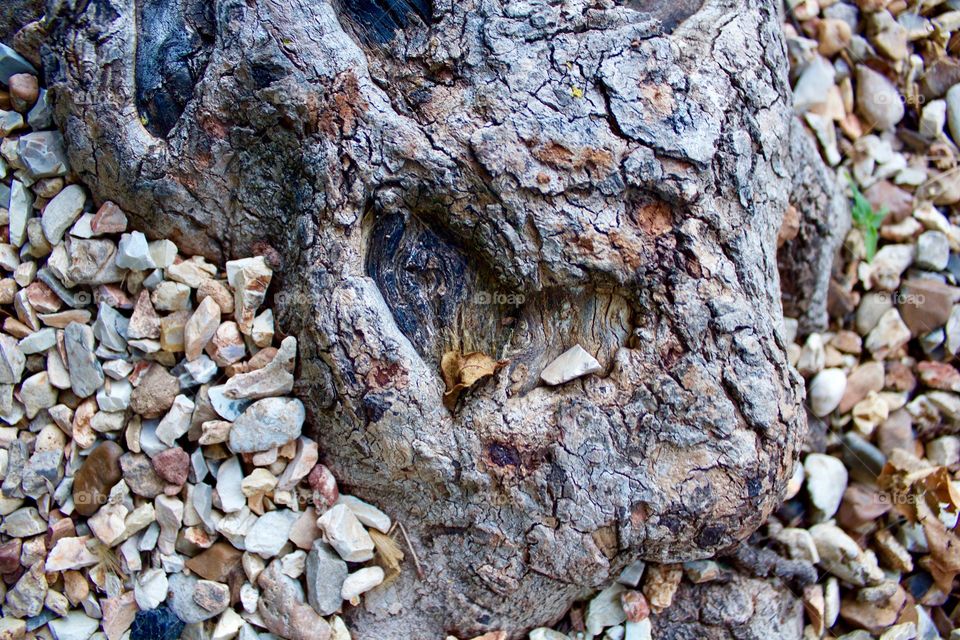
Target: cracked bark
620,170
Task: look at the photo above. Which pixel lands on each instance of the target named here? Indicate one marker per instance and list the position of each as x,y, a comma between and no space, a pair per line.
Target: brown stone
42,298
834,36
76,587
95,477
24,89
897,201
218,291
635,605
865,378
113,296
172,328
925,304
790,226
57,529
848,342
217,562
10,556
862,505
212,596
173,465
324,486
896,432
939,375
841,302
899,377
227,345
109,219
118,614
200,328
140,476
144,323
875,618
155,393
939,77
283,611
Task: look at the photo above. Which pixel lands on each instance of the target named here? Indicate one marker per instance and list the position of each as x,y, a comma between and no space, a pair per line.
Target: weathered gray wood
625,171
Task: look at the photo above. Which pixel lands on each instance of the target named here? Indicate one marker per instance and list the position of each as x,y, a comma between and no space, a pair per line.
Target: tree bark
615,172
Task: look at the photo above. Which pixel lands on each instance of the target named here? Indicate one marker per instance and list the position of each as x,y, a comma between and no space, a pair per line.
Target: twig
416,560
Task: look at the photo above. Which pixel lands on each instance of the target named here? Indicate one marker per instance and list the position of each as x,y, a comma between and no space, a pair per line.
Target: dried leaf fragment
389,556
463,370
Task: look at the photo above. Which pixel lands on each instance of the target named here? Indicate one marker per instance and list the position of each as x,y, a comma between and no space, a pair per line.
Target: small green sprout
867,220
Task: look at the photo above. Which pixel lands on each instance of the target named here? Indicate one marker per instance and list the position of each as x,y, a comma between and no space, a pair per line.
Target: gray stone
325,575
73,299
229,479
12,360
267,423
61,212
23,523
203,505
200,371
86,374
826,390
10,121
812,86
43,473
140,476
226,408
275,379
933,119
17,459
110,328
345,534
270,532
933,251
114,395
41,115
843,557
21,210
953,112
952,331
878,100
43,154
177,420
826,480
134,252
863,460
12,63
180,591
92,262
36,393
74,626
38,341
26,598
150,444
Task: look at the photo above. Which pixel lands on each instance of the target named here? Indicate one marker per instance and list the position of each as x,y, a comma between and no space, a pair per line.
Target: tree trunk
614,174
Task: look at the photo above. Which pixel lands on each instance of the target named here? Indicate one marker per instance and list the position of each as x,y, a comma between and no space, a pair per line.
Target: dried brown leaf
463,370
944,547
